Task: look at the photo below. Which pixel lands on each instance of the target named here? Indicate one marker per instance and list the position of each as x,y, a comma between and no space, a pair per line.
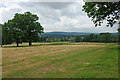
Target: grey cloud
9,14
43,9
2,6
57,5
73,11
54,5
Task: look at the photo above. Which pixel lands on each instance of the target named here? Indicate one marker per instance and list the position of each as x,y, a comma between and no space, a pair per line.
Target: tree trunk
17,43
30,43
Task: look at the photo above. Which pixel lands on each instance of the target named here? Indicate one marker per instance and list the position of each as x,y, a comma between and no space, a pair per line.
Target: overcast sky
54,16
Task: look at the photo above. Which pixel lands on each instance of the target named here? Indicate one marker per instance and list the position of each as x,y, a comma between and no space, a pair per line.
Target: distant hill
61,34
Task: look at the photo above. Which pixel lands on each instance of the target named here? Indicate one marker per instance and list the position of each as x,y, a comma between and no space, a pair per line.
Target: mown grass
61,60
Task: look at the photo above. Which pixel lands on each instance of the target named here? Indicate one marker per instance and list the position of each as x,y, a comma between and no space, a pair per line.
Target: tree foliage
7,37
100,11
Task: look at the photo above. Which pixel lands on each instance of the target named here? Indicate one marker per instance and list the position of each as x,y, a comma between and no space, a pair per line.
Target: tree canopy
100,11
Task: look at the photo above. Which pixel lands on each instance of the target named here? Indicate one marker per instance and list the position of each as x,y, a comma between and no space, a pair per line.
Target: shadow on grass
23,46
36,45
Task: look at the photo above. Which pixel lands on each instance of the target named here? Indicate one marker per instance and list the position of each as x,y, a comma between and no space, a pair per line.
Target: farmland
60,60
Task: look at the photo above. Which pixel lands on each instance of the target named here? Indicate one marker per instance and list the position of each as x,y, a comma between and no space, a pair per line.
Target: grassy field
60,60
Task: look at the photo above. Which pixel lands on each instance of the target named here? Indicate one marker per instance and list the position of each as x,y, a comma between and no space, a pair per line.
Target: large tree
23,27
31,26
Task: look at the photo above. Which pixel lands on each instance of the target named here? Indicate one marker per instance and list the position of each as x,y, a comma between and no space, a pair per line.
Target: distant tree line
22,28
102,37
